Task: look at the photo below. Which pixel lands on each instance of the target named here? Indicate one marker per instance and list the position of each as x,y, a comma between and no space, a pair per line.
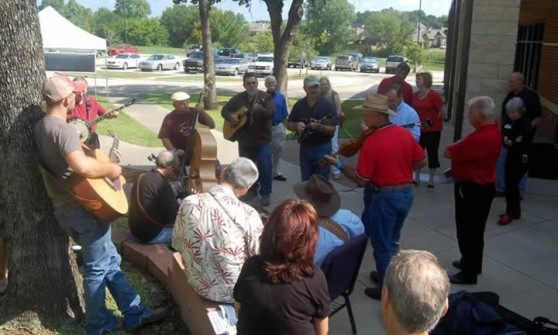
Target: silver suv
348,62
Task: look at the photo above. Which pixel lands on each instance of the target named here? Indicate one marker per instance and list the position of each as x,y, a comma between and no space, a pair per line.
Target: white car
160,62
263,65
124,61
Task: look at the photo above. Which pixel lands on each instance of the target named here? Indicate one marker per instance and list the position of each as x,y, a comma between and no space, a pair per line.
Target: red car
119,50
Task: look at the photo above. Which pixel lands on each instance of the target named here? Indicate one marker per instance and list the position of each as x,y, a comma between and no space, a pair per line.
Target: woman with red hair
280,291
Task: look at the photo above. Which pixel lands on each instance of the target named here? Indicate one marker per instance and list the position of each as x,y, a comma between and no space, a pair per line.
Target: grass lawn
126,128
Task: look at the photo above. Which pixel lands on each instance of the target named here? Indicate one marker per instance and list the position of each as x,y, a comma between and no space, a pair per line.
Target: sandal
430,187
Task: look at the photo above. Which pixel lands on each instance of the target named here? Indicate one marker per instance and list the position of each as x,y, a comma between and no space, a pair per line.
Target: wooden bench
168,268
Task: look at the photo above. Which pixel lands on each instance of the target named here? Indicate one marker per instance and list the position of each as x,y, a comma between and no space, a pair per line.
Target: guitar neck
115,144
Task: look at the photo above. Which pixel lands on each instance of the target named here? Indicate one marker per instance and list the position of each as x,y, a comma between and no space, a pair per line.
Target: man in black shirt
153,205
314,119
533,112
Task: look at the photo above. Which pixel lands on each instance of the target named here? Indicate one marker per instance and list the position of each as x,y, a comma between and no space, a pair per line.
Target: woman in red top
430,108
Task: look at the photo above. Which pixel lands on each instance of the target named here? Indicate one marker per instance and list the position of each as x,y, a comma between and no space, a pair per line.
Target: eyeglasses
251,82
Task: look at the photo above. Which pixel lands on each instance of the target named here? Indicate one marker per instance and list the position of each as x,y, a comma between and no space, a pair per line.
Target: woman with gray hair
517,137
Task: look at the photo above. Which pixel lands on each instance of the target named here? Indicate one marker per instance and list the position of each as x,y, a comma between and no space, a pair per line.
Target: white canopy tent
59,34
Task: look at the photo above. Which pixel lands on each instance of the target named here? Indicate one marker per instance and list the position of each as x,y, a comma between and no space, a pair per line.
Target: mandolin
104,197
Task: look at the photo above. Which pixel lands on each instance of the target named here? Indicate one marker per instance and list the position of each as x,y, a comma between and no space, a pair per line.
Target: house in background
258,27
487,40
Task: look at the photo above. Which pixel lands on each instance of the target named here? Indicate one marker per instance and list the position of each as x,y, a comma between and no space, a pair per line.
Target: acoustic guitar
231,131
104,197
83,127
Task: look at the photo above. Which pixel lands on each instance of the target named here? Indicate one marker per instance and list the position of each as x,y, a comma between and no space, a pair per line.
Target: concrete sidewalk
519,259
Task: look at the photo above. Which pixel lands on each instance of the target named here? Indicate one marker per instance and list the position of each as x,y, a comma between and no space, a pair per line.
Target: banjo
83,127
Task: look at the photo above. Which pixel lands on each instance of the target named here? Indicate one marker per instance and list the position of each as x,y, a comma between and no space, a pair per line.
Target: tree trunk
43,279
283,40
209,88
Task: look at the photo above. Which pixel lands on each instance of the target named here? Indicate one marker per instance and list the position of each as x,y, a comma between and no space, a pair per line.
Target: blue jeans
262,157
164,237
101,268
501,175
311,157
383,217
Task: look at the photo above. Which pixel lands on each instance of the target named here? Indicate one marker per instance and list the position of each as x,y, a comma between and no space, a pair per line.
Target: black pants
516,168
472,205
431,141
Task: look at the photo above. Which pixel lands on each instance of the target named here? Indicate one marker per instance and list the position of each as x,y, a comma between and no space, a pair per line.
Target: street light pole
418,26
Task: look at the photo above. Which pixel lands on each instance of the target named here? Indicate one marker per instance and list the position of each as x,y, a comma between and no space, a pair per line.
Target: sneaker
374,277
264,202
461,278
280,177
373,292
156,316
337,176
505,219
248,197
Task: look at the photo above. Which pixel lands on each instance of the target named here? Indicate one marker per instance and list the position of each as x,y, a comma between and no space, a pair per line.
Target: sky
259,9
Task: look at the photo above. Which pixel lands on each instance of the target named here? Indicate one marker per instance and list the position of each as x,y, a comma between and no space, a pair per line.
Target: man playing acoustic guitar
254,138
61,155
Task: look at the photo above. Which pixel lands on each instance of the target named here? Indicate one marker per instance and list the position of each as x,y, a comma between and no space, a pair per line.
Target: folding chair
341,267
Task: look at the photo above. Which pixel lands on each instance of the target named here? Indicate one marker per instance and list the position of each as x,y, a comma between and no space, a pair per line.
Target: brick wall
491,50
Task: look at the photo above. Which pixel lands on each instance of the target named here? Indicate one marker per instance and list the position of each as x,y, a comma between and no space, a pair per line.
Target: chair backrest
342,264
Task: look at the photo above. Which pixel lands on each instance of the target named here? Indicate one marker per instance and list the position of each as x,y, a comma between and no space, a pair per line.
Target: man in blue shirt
406,117
337,226
314,119
278,125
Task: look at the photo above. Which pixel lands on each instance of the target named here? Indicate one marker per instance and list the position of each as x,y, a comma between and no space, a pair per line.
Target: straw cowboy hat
376,103
320,193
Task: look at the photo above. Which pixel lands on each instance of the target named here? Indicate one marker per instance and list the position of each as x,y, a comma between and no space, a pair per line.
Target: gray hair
418,288
486,105
270,78
396,88
516,104
241,173
165,159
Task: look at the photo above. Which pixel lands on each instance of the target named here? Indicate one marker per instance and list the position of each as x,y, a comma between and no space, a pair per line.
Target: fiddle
351,147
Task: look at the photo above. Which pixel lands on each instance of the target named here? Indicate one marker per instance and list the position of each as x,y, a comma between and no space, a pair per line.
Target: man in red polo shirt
473,166
385,167
401,73
88,109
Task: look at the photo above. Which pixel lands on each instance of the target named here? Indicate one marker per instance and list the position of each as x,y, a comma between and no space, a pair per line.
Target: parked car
230,53
263,65
160,62
195,62
124,61
193,49
118,50
232,66
370,64
320,63
250,57
347,62
393,61
358,57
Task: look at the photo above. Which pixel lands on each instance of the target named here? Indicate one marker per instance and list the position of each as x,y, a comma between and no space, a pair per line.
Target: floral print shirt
216,233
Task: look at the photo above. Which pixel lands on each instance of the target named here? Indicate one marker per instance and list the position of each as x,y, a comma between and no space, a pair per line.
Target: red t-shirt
406,89
178,128
428,108
474,158
387,156
95,109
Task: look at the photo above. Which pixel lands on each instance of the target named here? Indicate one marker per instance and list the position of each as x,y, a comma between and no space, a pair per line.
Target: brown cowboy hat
376,103
320,193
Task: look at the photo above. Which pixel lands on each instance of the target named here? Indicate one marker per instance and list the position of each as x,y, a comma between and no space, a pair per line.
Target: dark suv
195,62
230,53
346,62
393,61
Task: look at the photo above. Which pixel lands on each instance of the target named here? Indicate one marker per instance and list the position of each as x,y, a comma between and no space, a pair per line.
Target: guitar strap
143,212
334,228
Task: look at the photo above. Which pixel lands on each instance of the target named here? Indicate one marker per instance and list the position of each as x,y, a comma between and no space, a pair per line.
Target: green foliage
302,43
147,32
179,22
227,28
58,5
386,30
263,42
414,53
132,8
328,22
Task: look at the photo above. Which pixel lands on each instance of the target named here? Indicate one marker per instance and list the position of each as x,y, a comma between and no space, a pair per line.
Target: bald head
516,81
